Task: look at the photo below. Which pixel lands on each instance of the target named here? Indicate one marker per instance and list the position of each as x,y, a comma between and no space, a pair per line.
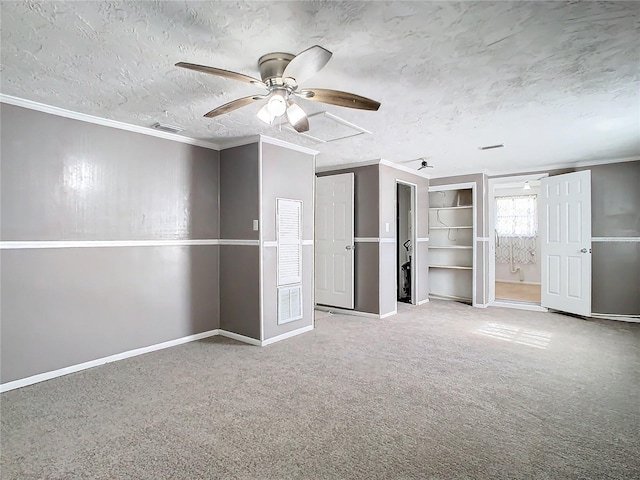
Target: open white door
334,240
565,233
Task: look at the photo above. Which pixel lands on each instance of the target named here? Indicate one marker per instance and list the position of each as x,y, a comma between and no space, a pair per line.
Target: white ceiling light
277,104
265,115
295,114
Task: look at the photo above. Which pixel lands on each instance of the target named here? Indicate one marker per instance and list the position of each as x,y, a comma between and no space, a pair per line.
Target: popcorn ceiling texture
555,81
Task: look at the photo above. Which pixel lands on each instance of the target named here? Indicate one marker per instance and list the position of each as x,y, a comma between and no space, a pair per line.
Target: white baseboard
385,315
613,316
518,282
520,306
41,377
344,311
422,302
481,305
239,338
284,336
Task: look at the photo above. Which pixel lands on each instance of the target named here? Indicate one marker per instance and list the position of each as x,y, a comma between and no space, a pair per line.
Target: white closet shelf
451,208
466,247
450,228
455,267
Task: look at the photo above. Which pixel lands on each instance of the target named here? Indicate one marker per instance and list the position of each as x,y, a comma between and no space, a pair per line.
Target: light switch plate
255,225
386,227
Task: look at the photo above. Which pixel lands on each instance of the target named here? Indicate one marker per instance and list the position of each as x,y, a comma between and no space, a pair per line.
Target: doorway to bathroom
515,264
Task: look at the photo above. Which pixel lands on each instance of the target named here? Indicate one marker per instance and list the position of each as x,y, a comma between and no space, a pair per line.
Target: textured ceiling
555,82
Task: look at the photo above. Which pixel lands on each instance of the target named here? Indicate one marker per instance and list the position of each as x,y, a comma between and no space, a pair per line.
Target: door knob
349,247
584,250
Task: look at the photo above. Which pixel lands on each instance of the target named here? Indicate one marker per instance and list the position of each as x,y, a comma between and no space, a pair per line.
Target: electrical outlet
255,225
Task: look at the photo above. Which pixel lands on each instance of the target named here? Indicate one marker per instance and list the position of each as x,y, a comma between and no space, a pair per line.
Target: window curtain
516,229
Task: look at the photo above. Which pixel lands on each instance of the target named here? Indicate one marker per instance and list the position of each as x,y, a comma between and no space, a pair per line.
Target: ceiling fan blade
234,105
342,99
221,73
307,63
297,118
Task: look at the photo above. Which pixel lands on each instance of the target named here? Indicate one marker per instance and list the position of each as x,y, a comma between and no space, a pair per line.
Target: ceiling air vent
491,147
163,127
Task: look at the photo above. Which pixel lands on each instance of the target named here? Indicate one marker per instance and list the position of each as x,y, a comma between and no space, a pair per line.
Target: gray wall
63,179
615,200
66,306
240,264
240,290
286,174
239,192
615,212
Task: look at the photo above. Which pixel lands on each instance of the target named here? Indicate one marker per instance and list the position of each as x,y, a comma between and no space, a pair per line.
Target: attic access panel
325,127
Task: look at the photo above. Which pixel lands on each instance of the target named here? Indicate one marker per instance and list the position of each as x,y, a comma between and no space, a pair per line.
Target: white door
565,233
334,240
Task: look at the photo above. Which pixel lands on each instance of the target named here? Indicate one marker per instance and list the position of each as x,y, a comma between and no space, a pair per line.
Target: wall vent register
289,240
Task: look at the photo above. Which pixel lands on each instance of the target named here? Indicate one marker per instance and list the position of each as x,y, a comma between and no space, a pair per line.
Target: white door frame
349,301
414,247
473,186
491,212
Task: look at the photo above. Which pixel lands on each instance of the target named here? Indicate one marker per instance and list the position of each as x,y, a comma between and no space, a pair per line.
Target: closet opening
405,241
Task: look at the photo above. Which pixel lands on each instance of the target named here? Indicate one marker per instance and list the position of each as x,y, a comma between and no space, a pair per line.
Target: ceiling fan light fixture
281,73
297,118
265,115
277,104
295,114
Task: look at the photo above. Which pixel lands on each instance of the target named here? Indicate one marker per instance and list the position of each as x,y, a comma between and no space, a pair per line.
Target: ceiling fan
282,74
423,162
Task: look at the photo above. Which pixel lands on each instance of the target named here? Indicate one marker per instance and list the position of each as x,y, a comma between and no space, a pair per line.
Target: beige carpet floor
441,391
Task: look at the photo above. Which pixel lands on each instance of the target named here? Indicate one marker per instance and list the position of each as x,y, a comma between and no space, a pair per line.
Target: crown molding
289,145
379,161
239,142
105,122
557,166
592,163
402,168
343,166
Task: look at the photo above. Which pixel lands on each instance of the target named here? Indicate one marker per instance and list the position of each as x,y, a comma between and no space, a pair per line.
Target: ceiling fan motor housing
272,67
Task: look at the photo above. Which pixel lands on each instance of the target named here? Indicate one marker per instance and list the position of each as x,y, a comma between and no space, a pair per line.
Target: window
517,216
